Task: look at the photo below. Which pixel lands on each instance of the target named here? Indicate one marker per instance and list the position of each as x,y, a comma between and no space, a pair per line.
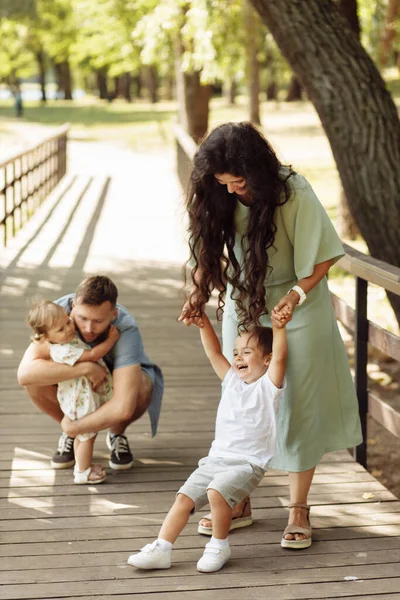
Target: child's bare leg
84,457
221,514
176,519
217,551
83,453
158,554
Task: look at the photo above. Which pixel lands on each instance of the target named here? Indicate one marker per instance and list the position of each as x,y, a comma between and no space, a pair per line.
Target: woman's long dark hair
242,151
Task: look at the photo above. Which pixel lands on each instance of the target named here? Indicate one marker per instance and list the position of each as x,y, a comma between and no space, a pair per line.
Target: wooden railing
369,270
365,270
27,178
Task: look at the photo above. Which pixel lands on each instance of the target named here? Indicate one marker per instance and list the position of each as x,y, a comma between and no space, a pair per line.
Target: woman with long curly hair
260,236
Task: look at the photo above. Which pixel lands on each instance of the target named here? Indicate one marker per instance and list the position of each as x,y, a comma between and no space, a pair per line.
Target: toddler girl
52,326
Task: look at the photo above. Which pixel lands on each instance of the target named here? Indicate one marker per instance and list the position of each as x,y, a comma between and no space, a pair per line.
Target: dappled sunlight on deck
60,540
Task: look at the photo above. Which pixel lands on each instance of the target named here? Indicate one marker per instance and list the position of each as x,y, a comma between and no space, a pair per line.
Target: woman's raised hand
188,317
284,310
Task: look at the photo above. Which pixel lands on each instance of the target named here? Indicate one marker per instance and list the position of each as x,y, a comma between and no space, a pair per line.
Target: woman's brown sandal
293,529
243,520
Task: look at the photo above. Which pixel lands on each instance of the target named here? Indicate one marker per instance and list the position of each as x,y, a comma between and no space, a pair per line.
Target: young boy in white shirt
244,441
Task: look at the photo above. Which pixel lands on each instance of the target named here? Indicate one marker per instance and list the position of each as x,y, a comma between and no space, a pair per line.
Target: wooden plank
253,594
326,553
259,533
277,570
273,585
385,414
268,508
270,556
118,488
379,338
371,269
322,517
110,503
64,541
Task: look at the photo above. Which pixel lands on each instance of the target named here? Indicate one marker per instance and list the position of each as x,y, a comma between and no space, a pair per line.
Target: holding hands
188,317
284,310
280,317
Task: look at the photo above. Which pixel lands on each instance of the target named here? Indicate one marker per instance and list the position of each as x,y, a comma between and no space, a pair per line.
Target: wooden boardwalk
58,540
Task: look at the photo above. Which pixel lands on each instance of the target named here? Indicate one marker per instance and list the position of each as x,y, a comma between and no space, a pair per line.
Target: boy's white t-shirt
246,426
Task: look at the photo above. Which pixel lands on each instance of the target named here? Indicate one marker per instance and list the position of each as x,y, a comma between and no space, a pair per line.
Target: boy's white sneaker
151,556
214,558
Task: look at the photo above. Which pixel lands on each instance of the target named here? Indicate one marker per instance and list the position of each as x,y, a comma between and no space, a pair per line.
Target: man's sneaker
121,457
151,557
213,559
64,458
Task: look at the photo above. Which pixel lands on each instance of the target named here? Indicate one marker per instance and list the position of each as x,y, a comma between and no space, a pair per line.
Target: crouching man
137,382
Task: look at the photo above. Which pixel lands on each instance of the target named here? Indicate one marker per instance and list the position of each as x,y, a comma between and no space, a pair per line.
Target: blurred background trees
340,54
158,49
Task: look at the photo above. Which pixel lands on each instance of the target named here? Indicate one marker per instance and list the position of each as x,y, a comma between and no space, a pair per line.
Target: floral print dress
76,396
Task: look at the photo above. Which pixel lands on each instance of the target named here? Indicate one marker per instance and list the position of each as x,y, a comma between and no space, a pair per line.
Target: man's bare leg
121,457
144,399
45,399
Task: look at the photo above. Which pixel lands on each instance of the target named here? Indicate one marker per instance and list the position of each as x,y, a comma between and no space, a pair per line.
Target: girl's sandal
242,520
293,529
82,477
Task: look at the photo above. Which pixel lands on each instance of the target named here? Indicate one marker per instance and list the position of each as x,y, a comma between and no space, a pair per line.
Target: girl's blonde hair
42,317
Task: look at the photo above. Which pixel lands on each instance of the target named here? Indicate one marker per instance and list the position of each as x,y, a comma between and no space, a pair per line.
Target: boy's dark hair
264,338
96,290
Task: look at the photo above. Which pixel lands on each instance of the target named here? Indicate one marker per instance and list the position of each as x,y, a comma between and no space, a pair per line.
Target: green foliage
372,18
58,26
104,40
16,60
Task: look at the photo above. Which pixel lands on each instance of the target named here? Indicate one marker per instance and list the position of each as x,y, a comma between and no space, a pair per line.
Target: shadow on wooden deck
58,540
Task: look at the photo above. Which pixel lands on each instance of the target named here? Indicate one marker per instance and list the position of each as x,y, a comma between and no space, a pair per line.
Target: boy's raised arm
277,367
212,348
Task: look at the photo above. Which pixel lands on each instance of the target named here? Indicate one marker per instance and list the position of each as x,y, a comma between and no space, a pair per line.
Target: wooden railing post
23,189
361,359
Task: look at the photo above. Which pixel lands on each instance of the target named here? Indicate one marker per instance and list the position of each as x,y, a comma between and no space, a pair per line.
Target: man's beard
100,338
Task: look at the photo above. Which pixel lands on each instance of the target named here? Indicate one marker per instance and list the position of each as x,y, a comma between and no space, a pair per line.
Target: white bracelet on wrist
301,293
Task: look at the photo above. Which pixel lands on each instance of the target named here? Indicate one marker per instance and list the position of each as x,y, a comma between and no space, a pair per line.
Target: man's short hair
96,290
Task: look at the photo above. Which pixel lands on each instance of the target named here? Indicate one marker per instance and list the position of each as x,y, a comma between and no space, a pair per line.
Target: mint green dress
319,410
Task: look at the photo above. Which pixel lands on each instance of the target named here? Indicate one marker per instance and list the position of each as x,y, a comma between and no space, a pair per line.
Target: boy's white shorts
233,478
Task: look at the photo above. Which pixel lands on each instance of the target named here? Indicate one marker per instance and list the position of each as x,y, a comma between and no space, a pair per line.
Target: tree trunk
230,91
272,79
349,10
40,59
253,65
272,90
101,77
345,222
389,31
197,100
126,87
170,86
294,92
117,87
193,99
151,76
137,80
66,80
356,110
